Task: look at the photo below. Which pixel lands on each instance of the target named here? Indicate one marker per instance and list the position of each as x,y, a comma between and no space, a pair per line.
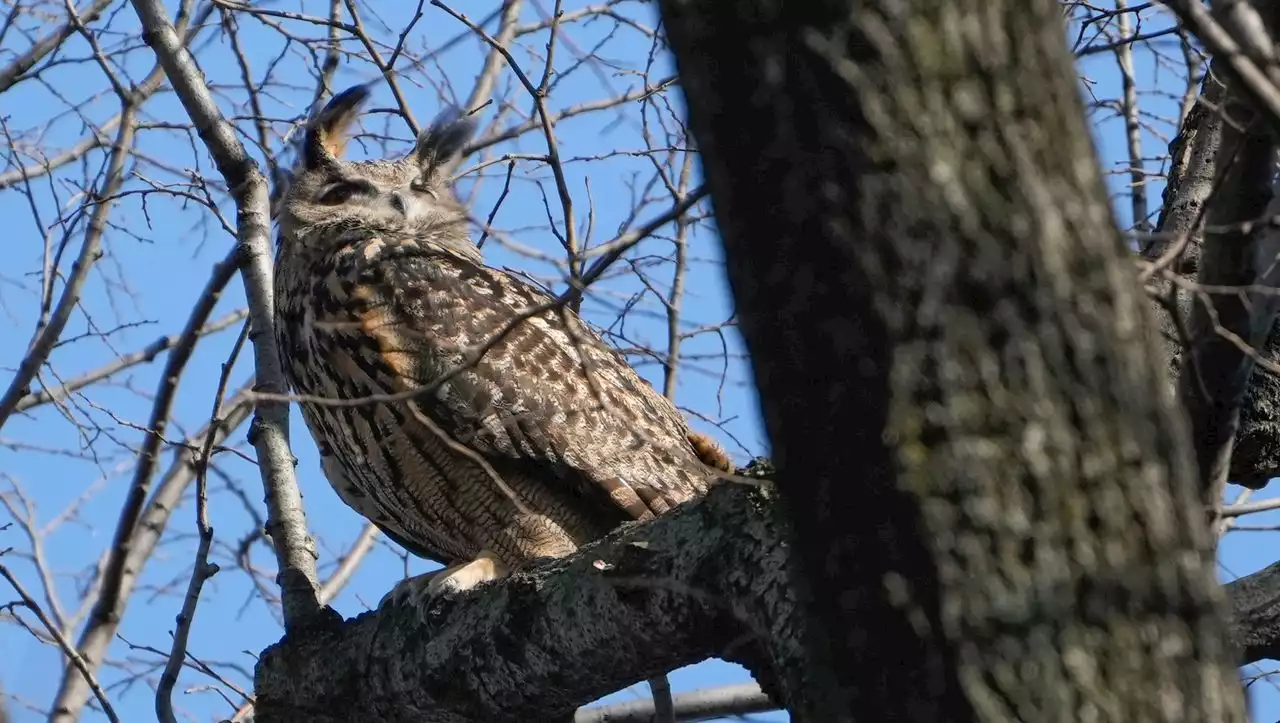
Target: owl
479,425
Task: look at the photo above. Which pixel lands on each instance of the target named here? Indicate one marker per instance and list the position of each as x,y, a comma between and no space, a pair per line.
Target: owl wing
367,508
549,394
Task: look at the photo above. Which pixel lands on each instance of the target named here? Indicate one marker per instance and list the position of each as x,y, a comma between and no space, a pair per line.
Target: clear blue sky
154,273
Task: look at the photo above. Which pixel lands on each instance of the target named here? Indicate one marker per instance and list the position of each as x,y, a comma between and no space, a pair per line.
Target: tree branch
16,69
286,520
1202,185
48,332
145,355
127,560
1255,608
77,661
718,702
1216,372
708,579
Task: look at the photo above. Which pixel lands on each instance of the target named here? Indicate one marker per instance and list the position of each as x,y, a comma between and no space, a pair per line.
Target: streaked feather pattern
584,446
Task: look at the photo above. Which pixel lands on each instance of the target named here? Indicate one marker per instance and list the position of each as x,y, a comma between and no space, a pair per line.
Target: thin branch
1222,45
90,251
14,71
113,575
129,559
350,563
144,355
547,121
493,62
203,569
1250,508
708,703
1129,110
76,660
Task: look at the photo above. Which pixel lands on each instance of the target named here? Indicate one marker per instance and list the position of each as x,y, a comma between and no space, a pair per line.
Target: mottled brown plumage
546,442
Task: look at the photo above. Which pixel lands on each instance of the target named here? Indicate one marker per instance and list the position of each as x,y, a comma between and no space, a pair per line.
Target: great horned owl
548,441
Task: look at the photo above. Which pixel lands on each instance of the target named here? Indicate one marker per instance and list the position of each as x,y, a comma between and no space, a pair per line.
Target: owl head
327,195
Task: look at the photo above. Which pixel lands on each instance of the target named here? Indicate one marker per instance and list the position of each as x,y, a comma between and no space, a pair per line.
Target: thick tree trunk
991,490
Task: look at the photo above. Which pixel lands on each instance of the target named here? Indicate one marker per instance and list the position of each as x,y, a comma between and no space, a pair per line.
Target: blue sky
161,255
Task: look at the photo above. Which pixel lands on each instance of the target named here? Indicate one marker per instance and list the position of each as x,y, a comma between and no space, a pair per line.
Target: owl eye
421,186
340,193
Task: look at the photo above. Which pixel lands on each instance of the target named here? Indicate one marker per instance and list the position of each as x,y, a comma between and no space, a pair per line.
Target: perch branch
708,579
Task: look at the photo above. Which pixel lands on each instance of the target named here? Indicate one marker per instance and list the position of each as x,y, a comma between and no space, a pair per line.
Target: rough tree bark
1220,175
1216,370
710,579
992,493
342,671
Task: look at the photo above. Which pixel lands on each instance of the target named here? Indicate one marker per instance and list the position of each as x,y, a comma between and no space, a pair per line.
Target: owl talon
463,577
421,590
407,590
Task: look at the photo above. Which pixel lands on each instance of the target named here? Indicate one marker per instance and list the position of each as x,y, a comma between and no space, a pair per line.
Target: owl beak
328,132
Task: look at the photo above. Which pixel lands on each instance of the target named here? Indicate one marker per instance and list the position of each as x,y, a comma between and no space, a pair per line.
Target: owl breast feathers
535,443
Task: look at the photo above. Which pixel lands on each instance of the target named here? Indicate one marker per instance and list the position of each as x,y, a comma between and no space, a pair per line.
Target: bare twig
203,569
1249,508
130,558
1242,61
1130,110
142,356
13,72
65,645
547,120
90,251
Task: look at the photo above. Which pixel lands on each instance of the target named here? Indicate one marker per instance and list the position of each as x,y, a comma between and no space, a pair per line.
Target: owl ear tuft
328,132
443,141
